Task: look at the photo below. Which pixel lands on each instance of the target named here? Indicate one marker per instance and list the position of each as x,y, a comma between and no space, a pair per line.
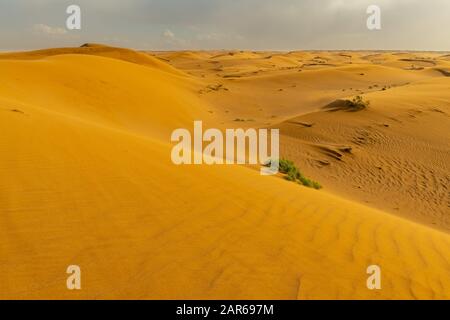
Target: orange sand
86,177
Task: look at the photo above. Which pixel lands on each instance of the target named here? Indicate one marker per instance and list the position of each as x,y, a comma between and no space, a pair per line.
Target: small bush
309,183
358,103
293,174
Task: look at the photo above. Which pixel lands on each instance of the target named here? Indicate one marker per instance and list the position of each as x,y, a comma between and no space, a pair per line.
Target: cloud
169,35
212,36
215,24
172,41
44,29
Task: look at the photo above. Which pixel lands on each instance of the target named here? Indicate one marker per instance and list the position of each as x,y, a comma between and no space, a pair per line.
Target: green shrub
286,166
358,103
309,183
293,174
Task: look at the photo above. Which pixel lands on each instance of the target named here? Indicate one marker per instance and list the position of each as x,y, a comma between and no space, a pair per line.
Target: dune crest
96,50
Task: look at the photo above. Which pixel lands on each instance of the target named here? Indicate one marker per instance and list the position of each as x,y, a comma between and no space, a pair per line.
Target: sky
227,24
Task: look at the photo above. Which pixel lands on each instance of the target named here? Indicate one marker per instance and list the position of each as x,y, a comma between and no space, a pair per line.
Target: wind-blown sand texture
86,176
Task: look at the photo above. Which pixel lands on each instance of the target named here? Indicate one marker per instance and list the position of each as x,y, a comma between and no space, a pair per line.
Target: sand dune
397,151
105,91
86,179
399,147
95,50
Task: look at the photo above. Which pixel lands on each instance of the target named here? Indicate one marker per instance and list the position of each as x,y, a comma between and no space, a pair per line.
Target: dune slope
104,91
394,156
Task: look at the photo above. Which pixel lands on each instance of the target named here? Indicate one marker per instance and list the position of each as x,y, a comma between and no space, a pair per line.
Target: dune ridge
95,50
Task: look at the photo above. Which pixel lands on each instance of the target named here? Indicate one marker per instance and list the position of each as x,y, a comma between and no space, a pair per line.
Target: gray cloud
216,24
43,29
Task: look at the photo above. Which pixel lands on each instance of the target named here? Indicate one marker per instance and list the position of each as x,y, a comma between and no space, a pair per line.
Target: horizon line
232,49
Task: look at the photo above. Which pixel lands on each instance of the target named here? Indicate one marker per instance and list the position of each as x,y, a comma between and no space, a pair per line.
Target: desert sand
86,176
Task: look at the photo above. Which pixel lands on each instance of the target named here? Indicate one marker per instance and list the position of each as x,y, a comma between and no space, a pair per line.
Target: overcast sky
227,24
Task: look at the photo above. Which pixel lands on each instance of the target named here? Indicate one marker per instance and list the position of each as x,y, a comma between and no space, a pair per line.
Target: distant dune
95,50
86,176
